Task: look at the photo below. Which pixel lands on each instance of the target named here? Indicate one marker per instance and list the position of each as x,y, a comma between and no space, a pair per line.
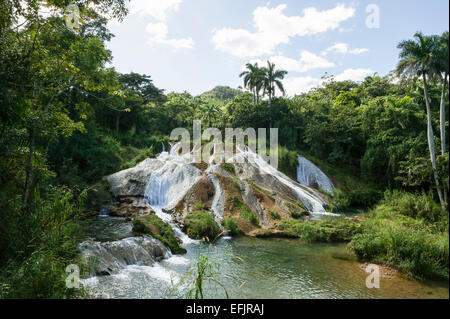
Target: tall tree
253,80
442,65
417,60
273,78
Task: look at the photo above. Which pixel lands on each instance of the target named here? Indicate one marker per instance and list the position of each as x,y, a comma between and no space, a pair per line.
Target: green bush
298,214
228,167
201,224
38,247
155,227
414,205
401,233
326,230
404,244
274,215
231,226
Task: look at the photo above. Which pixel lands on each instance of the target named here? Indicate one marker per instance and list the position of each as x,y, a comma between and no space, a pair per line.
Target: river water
252,268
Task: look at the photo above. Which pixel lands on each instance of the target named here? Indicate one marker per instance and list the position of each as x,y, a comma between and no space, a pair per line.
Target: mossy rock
154,226
201,224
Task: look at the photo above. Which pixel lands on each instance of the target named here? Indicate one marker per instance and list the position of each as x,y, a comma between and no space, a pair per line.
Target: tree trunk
442,125
29,170
431,142
442,114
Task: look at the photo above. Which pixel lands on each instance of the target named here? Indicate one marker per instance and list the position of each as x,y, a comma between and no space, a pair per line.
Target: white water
313,203
309,174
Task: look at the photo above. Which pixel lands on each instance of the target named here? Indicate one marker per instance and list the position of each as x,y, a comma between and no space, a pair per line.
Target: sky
195,45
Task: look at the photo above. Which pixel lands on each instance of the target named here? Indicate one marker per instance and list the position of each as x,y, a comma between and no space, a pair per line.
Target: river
252,268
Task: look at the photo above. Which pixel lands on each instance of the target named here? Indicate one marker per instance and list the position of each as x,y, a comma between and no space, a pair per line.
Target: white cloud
353,74
344,49
158,35
157,9
274,28
307,61
303,84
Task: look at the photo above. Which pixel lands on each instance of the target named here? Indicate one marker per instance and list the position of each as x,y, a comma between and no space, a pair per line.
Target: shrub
298,214
326,230
414,205
228,167
274,215
399,233
155,227
231,225
201,224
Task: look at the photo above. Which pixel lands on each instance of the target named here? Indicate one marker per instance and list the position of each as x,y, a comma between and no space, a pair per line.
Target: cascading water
309,174
168,185
313,203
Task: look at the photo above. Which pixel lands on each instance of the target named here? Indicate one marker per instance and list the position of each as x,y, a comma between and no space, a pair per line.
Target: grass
155,227
36,248
201,225
230,224
274,215
415,246
245,211
326,230
228,167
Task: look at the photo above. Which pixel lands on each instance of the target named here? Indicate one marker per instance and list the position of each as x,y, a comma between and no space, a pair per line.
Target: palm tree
442,66
253,80
210,112
273,78
442,69
417,60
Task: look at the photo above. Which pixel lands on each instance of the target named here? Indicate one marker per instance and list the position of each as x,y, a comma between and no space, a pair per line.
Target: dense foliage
67,120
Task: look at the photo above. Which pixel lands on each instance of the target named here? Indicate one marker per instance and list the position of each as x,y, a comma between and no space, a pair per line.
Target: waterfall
168,185
313,202
309,174
110,257
218,202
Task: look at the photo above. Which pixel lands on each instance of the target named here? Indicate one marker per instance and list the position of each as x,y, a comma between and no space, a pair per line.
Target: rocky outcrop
130,207
109,257
132,182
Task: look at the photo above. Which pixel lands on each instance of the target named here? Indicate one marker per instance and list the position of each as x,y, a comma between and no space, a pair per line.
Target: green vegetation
274,215
231,226
298,214
327,230
67,120
228,167
398,233
245,211
45,241
201,224
153,225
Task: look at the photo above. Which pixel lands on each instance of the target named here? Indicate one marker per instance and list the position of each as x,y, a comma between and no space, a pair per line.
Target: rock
109,257
130,207
133,181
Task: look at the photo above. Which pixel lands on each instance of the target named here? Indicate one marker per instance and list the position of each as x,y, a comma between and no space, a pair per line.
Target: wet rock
130,207
109,257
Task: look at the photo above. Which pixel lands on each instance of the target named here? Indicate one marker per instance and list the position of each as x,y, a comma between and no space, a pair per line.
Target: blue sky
194,45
